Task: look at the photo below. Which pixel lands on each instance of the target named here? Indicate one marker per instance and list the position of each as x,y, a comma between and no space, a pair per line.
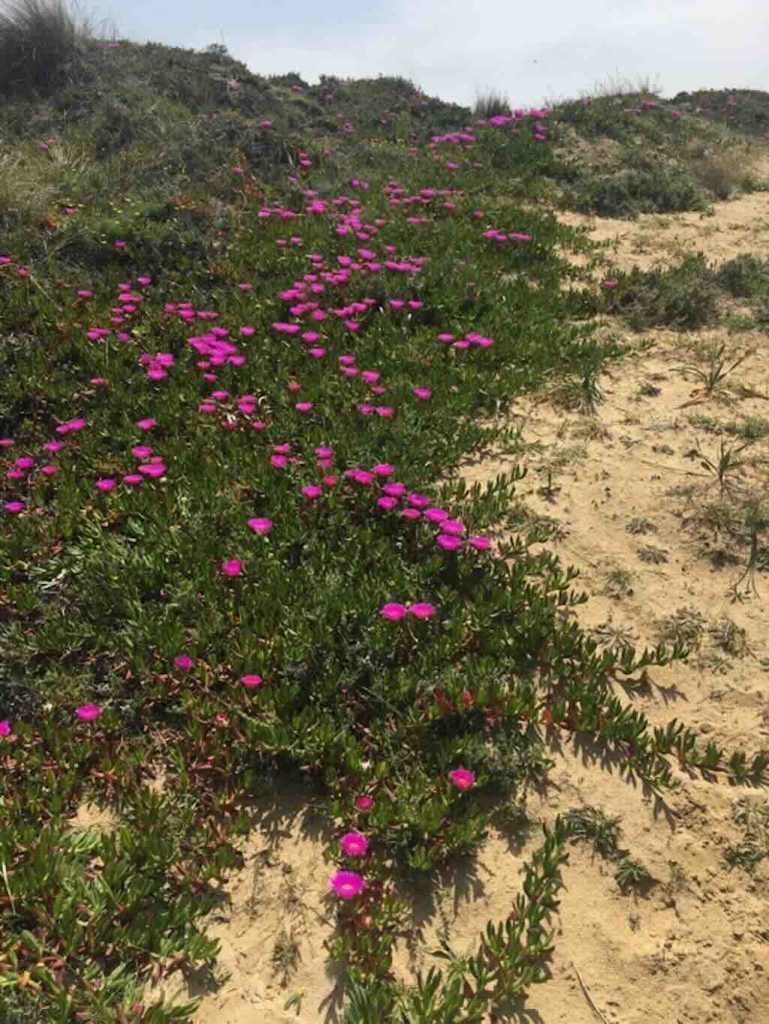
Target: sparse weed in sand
719,364
752,817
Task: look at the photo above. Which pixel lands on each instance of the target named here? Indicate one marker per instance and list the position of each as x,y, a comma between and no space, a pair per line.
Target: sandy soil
727,230
695,946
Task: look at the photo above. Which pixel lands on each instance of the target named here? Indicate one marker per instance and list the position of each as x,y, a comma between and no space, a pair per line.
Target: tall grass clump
37,39
490,104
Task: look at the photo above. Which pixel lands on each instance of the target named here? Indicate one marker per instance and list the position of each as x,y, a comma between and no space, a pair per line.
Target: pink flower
133,479
232,567
142,451
449,543
260,526
5,727
14,507
347,884
453,526
106,484
387,503
145,424
436,515
479,543
423,393
183,661
354,844
153,469
384,469
251,681
87,712
312,491
462,778
393,611
364,803
303,406
422,610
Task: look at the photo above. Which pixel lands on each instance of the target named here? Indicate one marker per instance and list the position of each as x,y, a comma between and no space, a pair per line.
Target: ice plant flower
232,567
106,484
393,611
251,681
422,610
354,844
5,727
462,778
479,543
448,542
347,884
183,661
88,712
260,525
312,491
364,803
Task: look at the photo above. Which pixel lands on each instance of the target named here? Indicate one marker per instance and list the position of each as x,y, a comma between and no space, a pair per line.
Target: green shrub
683,297
38,38
744,277
638,185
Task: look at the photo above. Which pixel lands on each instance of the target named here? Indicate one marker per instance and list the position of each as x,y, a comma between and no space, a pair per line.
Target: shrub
38,38
683,297
645,185
744,276
721,174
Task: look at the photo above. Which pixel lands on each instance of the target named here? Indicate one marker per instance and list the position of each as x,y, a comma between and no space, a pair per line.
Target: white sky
457,48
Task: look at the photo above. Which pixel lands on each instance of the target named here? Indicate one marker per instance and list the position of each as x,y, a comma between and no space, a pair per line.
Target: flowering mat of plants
236,548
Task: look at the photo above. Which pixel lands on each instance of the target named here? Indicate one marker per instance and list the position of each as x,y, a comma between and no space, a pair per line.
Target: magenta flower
453,526
462,778
312,491
251,681
479,543
423,393
448,543
354,844
141,451
393,611
436,515
145,424
14,508
347,884
5,727
387,503
422,610
106,484
303,406
88,712
183,661
232,567
133,479
364,803
153,469
260,526
384,469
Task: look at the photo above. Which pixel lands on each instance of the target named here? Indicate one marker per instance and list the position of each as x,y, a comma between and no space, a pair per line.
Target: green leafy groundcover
235,546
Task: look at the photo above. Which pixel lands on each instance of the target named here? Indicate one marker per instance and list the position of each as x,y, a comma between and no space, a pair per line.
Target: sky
532,52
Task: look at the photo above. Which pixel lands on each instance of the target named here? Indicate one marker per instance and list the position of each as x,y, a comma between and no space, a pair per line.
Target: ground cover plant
235,546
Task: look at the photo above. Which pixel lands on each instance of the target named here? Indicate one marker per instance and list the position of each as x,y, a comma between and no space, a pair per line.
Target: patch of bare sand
697,948
729,229
93,818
